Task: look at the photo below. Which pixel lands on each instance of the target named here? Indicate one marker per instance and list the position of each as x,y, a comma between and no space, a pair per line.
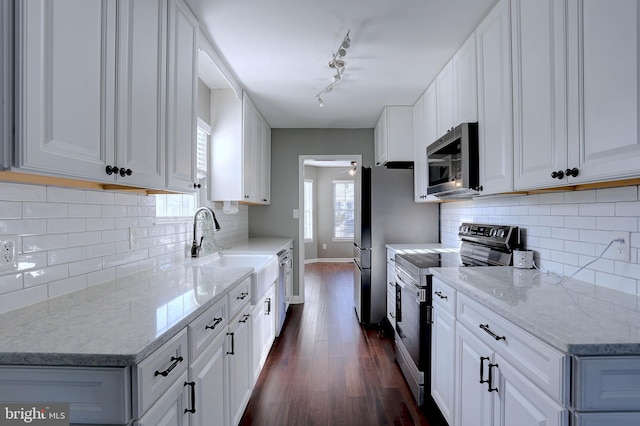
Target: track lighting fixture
338,64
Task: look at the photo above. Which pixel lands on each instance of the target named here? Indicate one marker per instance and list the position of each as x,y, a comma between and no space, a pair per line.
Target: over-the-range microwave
452,163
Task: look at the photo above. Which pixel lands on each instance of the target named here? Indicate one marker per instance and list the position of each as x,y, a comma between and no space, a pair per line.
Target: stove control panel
501,235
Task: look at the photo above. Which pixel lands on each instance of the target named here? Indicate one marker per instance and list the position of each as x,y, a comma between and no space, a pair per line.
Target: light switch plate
133,237
296,215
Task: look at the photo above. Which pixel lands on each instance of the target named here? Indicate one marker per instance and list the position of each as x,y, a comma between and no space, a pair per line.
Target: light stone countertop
117,323
573,316
265,245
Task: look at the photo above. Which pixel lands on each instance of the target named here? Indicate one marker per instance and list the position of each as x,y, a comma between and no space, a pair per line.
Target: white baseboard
329,260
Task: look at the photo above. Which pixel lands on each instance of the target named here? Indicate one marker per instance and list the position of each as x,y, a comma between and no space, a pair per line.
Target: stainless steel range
482,245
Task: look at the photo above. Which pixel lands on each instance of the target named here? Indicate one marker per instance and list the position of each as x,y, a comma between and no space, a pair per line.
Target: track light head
320,102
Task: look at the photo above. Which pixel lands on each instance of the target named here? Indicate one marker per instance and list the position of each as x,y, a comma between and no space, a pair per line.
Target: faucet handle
195,248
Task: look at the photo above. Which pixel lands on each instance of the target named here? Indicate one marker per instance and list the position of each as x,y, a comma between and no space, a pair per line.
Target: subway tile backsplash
566,230
70,239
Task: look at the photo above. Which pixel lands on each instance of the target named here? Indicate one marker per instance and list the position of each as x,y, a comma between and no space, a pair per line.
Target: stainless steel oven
482,245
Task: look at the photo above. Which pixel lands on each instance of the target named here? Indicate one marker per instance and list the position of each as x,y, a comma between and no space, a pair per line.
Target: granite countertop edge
538,330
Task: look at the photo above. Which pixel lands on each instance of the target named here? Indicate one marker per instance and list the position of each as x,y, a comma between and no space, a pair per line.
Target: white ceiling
279,52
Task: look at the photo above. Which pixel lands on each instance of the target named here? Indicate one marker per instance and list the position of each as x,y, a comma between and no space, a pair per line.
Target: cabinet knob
557,175
197,185
264,200
111,170
572,172
125,172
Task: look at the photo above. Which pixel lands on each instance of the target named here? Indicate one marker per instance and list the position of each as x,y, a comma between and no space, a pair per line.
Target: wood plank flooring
325,369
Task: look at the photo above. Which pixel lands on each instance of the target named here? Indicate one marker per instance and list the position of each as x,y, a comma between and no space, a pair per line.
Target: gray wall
287,145
204,104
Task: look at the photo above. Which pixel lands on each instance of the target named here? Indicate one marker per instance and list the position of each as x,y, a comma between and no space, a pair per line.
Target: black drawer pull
216,321
193,397
491,389
242,296
232,344
482,360
245,318
485,327
440,295
166,372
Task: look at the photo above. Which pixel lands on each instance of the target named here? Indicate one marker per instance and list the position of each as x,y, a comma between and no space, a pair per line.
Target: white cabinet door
169,410
182,39
473,402
141,91
465,83
391,295
238,357
6,83
495,133
519,402
444,87
265,158
603,91
419,151
66,82
380,138
443,362
208,373
539,116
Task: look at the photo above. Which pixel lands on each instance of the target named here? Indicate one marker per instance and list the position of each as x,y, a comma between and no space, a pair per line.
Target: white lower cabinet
207,374
443,359
238,353
170,409
391,287
263,330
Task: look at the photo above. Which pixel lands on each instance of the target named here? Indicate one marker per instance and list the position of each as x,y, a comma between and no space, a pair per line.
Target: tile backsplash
566,230
69,239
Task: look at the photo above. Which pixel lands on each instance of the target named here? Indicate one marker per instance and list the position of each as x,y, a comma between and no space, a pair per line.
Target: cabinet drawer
391,257
539,362
157,372
606,384
444,296
206,327
239,296
95,394
606,419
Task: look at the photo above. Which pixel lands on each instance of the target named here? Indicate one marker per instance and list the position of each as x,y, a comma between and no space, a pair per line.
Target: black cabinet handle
490,380
216,321
242,296
197,185
111,170
193,397
440,295
485,327
557,175
482,360
232,344
268,311
166,372
125,172
572,172
245,318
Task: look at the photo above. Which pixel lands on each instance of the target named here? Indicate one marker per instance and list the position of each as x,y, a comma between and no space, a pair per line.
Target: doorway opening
330,239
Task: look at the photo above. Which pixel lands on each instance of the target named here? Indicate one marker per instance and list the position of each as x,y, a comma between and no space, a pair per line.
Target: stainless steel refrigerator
385,213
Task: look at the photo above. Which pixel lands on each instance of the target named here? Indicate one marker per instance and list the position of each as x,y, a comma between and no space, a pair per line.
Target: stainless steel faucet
195,246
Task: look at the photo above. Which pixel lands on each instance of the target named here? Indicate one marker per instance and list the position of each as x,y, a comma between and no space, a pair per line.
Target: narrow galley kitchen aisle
325,369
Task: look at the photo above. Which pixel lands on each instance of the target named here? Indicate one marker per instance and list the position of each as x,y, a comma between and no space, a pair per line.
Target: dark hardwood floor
325,369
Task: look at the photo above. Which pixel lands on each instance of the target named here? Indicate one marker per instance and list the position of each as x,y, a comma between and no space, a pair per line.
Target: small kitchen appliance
523,259
482,245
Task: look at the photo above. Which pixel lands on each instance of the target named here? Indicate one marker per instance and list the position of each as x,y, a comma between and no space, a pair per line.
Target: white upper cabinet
241,150
6,83
539,116
465,83
445,100
182,90
141,99
424,133
603,89
393,135
495,133
66,87
97,83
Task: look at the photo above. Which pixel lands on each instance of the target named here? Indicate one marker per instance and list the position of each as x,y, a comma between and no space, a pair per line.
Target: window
308,210
180,205
343,209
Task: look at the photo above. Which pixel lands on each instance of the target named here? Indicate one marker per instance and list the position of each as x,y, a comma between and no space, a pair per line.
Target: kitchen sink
265,270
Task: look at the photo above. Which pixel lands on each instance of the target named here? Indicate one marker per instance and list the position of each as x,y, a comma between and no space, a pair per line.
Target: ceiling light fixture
338,64
354,168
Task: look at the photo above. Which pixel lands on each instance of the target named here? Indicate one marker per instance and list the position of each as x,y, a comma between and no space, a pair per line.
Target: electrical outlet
324,246
8,251
621,250
133,237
